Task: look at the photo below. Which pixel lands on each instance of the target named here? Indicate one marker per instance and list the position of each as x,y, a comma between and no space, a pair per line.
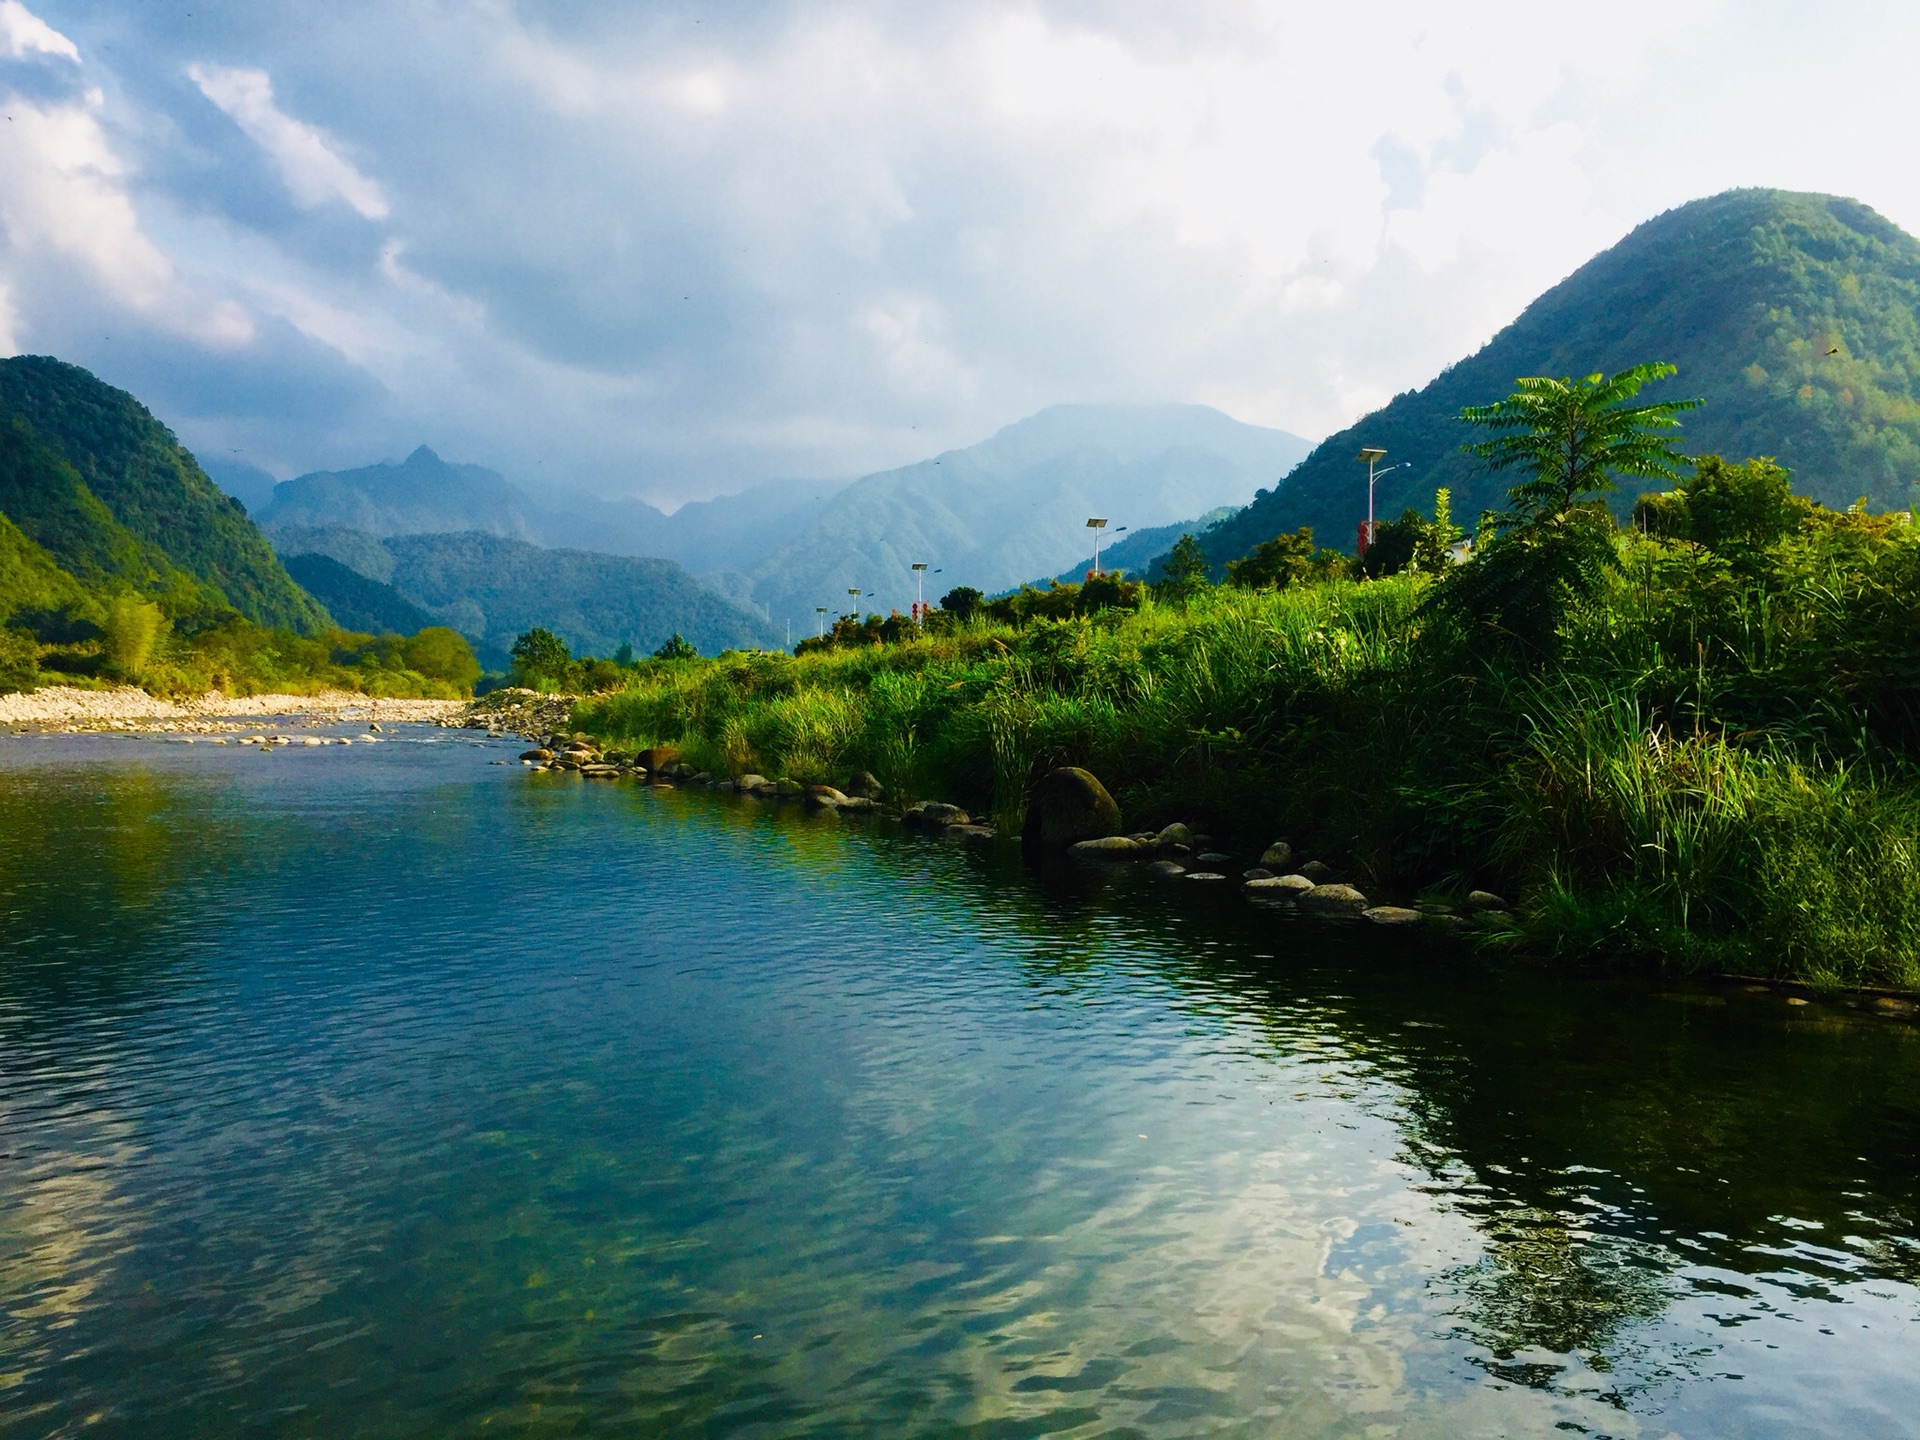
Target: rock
786,789
1280,887
858,804
703,778
1067,805
1495,920
1334,899
749,784
932,815
1890,1005
655,757
1257,873
542,755
1175,834
313,740
1392,915
1278,857
1205,875
1433,907
863,786
1485,900
607,770
1213,859
972,832
1166,870
1316,872
1111,847
824,797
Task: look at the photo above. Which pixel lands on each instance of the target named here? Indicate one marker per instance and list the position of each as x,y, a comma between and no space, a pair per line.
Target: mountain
356,602
113,497
1016,505
249,484
493,588
423,493
731,534
1795,317
1133,552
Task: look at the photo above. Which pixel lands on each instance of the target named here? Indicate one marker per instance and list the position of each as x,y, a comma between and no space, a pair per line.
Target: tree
1550,553
676,648
1574,436
1285,560
1734,510
623,657
1183,572
132,627
441,654
961,601
540,655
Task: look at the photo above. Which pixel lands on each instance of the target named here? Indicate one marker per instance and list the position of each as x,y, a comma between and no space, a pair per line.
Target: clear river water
385,1091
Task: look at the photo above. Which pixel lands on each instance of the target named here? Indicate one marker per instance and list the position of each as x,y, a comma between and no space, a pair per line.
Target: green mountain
493,588
106,489
356,602
1795,317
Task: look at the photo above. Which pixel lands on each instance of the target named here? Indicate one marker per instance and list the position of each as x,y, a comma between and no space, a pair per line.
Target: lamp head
1370,453
1098,522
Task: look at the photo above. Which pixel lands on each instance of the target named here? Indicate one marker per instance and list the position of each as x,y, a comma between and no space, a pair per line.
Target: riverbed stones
863,785
1392,915
933,815
600,771
1258,872
824,797
1205,875
542,755
1279,887
1175,834
1333,899
751,784
858,805
1166,870
656,757
1485,900
1111,847
1277,857
1213,859
1317,872
1067,805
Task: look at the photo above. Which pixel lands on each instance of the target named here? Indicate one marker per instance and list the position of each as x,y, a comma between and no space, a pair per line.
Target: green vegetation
1691,742
120,563
1795,317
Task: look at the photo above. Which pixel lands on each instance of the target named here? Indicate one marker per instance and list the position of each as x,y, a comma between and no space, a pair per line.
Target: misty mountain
1015,506
354,601
421,494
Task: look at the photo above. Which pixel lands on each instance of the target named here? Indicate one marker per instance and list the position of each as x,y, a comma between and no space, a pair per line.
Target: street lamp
1096,524
919,590
854,591
820,624
1373,455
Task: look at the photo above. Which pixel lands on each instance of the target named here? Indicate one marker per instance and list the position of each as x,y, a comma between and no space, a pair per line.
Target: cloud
671,249
312,169
23,34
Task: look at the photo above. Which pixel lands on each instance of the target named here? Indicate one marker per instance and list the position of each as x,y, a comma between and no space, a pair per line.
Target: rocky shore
65,709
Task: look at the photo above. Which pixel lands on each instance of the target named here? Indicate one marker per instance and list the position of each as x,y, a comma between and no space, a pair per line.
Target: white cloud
312,169
23,34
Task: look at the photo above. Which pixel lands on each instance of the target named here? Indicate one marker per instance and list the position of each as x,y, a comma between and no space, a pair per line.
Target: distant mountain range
1015,506
492,588
1795,317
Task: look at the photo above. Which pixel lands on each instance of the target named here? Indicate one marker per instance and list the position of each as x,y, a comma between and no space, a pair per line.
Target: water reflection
390,1092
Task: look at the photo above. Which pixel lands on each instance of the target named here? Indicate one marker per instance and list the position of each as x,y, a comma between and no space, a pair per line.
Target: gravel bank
69,709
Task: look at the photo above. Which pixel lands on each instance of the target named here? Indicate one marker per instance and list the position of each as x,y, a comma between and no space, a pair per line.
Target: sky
670,250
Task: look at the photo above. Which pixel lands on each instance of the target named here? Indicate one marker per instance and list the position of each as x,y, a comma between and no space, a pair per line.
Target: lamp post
1373,455
854,591
820,622
919,590
1096,524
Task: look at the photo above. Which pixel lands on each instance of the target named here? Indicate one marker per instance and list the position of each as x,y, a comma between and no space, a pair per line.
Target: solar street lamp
1373,455
1096,524
919,590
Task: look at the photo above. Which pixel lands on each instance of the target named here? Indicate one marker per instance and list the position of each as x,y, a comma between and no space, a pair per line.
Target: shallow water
385,1091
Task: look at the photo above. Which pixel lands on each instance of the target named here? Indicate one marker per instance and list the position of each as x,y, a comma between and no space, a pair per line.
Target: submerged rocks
1392,915
1068,805
1334,899
932,815
1112,847
1279,887
1166,870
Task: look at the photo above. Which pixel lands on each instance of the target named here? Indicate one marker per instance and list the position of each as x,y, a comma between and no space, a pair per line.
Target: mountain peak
422,455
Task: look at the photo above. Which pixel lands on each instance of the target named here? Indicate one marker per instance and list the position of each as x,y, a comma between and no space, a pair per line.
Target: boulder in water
1068,805
1335,900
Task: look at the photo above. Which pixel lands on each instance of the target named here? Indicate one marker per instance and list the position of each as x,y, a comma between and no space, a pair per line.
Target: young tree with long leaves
1574,436
1555,545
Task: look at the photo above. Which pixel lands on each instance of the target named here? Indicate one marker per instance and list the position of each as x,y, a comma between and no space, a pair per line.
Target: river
387,1091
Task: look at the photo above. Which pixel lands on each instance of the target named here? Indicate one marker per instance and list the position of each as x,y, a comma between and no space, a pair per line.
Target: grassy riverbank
1704,760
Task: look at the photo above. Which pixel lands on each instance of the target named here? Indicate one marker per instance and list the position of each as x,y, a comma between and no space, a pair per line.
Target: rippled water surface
385,1091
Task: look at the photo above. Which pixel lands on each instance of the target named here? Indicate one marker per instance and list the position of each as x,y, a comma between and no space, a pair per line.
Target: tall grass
1688,793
